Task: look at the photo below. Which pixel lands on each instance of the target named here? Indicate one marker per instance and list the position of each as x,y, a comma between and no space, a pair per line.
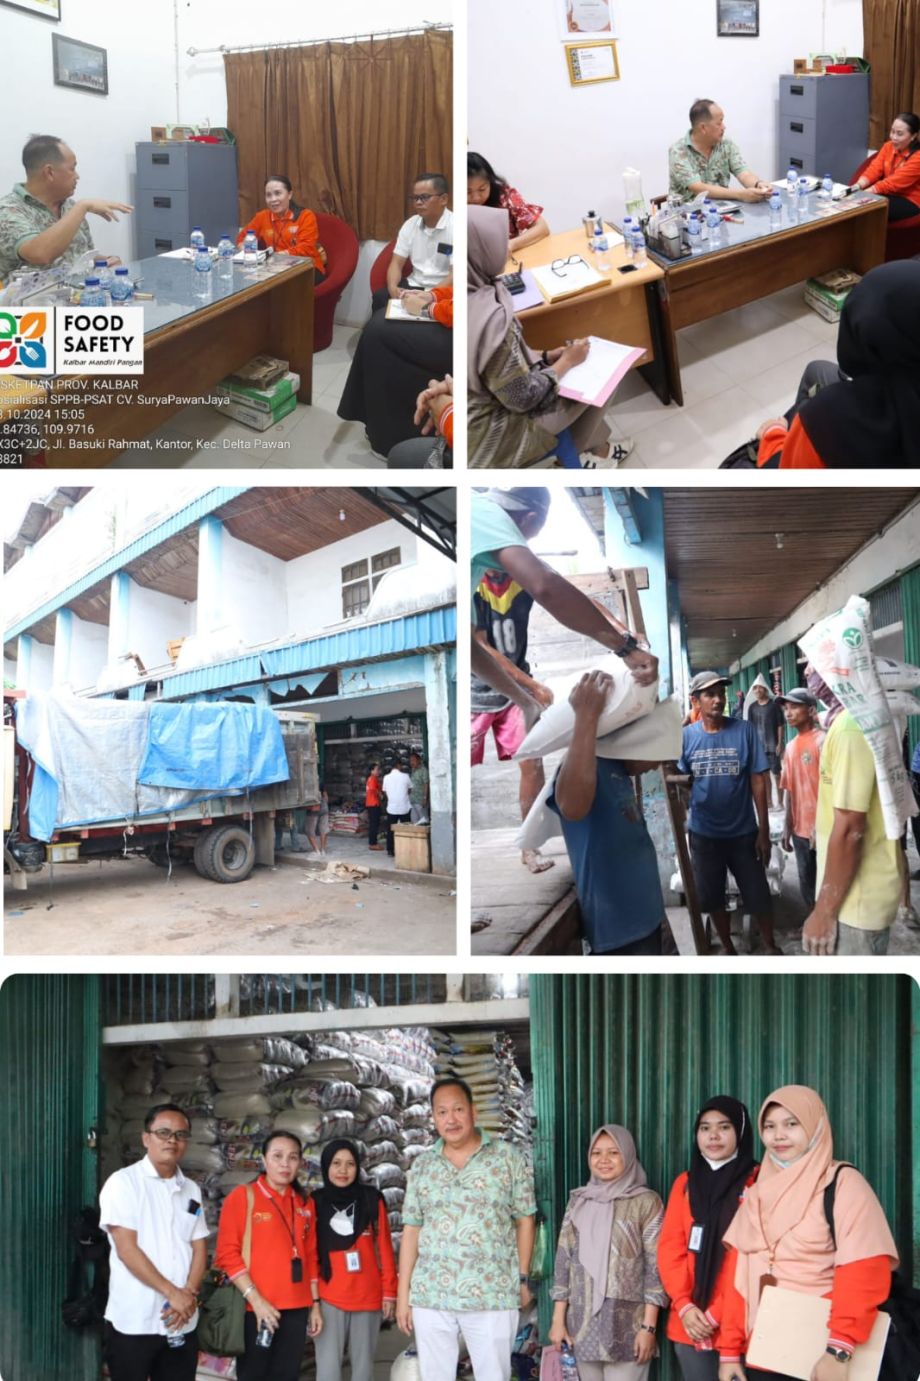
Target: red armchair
902,240
341,245
382,263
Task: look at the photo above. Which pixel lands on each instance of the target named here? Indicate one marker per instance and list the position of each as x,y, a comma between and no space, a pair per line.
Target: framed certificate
586,17
592,62
737,18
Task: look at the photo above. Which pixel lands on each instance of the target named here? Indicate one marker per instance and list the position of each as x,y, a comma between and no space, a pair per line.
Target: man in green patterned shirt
468,1233
40,224
702,163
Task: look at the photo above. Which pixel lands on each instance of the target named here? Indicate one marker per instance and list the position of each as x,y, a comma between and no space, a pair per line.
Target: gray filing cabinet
823,124
180,186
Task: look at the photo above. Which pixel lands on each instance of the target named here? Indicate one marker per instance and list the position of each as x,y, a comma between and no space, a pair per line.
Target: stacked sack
485,1060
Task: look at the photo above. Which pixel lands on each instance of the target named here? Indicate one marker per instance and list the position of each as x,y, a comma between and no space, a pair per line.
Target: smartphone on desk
626,268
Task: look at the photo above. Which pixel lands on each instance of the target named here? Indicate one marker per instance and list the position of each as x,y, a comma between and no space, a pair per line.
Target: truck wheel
229,854
200,856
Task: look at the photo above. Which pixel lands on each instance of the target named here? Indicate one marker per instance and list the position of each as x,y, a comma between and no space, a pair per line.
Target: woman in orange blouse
286,227
895,170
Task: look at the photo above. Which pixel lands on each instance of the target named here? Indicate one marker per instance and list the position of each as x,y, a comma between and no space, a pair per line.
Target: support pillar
437,704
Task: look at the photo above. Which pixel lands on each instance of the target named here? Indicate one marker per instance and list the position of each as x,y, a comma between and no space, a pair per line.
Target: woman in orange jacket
273,1277
695,1268
352,1267
286,227
895,170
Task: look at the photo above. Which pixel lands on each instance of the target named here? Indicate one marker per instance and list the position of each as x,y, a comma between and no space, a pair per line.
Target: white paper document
606,364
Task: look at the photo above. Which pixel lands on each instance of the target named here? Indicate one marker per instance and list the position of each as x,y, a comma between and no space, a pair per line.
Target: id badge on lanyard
352,1262
696,1238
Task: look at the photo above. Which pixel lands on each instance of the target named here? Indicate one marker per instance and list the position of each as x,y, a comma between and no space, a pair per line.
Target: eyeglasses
423,196
167,1134
560,266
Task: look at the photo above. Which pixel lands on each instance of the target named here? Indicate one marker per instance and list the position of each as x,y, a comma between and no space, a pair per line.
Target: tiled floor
738,369
309,438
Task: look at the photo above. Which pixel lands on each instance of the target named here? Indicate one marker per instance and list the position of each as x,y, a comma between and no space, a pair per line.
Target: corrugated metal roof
198,508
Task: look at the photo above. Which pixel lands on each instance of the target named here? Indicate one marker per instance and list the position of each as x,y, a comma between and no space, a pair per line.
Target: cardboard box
158,134
252,417
412,847
172,648
265,399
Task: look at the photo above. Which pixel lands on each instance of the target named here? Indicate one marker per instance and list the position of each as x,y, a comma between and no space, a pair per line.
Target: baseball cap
704,679
799,696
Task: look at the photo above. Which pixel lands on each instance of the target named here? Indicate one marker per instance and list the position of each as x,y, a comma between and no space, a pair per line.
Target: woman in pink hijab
783,1237
606,1288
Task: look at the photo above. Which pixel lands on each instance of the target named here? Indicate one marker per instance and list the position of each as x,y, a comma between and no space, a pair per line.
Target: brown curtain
351,124
891,31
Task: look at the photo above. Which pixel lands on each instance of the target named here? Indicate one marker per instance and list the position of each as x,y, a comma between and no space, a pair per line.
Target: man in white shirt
396,787
152,1215
426,239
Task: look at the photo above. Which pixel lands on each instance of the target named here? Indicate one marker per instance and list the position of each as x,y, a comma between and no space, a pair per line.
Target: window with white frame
361,578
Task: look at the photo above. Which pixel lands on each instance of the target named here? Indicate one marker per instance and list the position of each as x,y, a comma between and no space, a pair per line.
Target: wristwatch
629,645
524,1279
839,1354
648,1327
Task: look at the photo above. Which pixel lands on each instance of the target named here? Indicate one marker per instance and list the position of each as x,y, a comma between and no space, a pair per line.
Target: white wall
314,582
102,130
88,643
566,147
154,619
41,669
254,596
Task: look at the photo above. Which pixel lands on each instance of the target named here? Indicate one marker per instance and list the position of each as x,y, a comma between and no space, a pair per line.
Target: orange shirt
801,777
364,1289
446,425
288,234
442,308
274,1217
677,1264
372,791
797,451
895,174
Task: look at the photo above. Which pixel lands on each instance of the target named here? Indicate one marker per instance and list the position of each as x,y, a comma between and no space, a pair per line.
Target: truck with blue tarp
197,781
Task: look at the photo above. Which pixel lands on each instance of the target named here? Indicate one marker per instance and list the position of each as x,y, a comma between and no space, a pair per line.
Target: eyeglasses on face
167,1134
423,196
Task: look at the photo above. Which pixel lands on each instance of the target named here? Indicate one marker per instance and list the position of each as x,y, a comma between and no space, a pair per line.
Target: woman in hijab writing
695,1267
606,1288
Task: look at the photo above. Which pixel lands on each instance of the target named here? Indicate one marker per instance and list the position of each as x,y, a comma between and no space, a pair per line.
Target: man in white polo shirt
397,787
426,239
152,1215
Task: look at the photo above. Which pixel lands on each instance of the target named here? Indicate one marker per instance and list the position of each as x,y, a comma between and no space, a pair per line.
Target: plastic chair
902,238
341,245
565,450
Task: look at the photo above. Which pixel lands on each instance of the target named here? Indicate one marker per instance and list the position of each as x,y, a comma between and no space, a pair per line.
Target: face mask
343,1221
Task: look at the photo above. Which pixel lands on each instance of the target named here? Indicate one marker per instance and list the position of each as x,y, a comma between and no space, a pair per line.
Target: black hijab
874,419
714,1194
331,1199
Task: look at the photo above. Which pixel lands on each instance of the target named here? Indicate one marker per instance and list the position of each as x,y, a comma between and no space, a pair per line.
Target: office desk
627,309
756,259
191,343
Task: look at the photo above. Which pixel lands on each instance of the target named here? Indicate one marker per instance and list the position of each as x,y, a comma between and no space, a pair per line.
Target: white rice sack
249,1078
187,1053
236,1105
378,1152
376,1102
840,649
337,1124
244,1128
305,1123
331,1093
139,1081
411,1153
416,1136
387,1176
902,702
626,701
416,1115
231,1178
186,1079
206,1158
393,1196
243,1155
895,675
379,1129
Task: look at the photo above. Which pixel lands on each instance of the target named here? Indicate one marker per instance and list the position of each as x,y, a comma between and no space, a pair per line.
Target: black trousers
373,824
281,1361
391,821
382,296
148,1356
900,209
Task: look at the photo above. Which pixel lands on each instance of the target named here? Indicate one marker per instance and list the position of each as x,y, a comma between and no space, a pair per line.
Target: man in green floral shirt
40,224
702,163
468,1232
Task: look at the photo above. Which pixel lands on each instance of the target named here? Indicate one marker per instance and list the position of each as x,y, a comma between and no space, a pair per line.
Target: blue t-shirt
491,529
614,862
721,804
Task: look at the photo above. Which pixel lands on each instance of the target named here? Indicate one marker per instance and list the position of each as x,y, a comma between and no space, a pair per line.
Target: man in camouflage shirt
702,163
40,223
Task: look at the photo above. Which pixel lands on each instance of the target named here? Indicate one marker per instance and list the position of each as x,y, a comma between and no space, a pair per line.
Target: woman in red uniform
782,1236
352,1265
895,170
286,227
694,1266
274,1281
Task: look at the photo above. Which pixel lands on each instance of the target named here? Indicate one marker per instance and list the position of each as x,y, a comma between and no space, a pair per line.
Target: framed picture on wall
80,65
585,17
592,62
48,9
737,18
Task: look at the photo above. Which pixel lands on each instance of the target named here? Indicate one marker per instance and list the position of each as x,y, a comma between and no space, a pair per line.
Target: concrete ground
131,907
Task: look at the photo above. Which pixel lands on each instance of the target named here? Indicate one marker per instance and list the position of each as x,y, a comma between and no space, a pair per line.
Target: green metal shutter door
50,1039
645,1051
910,613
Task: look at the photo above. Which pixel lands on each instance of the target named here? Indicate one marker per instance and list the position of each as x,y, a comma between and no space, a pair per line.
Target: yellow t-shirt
848,783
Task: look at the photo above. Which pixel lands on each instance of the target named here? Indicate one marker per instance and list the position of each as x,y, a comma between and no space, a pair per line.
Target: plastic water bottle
640,258
264,1337
122,287
202,271
803,197
628,228
196,240
250,253
102,271
776,210
93,294
826,194
792,183
695,233
225,252
714,222
173,1337
599,245
567,1363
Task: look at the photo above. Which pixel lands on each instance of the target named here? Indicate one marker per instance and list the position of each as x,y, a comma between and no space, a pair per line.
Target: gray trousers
697,1366
816,376
611,1371
359,1330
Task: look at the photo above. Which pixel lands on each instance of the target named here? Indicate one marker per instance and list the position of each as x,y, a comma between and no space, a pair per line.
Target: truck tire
229,854
200,856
